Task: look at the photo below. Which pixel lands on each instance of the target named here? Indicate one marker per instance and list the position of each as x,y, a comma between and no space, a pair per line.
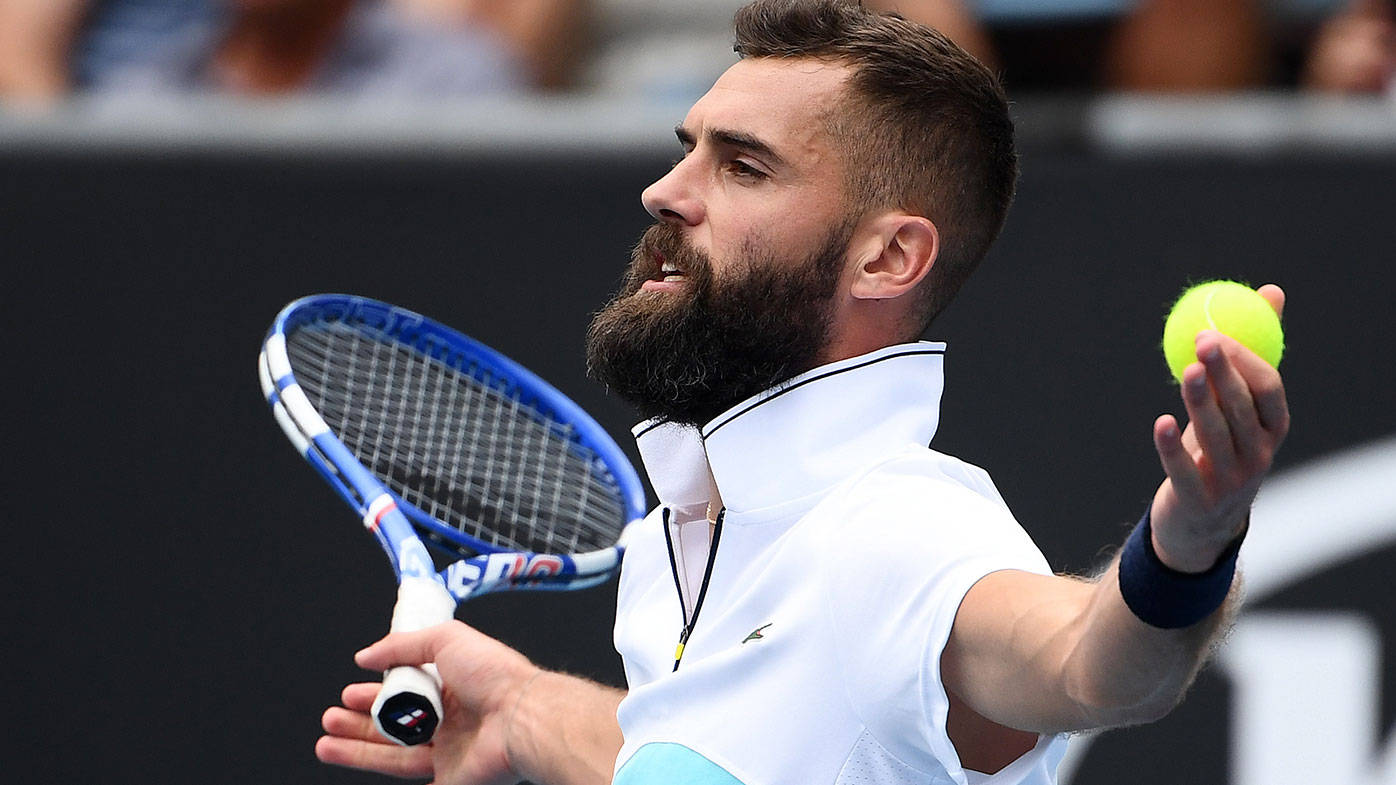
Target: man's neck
714,497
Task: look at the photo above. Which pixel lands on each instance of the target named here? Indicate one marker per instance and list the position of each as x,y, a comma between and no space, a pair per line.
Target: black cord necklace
702,589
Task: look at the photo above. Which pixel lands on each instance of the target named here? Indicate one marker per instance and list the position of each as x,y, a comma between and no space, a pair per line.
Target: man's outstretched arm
1049,654
505,720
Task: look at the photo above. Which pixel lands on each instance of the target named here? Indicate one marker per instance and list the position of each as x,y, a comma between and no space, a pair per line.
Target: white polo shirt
845,550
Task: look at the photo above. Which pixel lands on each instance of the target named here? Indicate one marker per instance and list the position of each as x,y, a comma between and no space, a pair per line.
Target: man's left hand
1237,418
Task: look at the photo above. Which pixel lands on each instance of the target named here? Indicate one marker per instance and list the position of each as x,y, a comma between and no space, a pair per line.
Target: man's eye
744,169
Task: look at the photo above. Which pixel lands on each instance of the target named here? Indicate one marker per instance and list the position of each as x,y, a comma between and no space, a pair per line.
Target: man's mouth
669,275
668,271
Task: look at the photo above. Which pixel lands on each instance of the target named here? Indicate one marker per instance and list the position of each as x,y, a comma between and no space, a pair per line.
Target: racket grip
408,707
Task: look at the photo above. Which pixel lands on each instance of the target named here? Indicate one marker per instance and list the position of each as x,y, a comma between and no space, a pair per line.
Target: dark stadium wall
186,596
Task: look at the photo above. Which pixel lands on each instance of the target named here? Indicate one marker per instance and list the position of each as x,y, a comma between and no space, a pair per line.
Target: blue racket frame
396,525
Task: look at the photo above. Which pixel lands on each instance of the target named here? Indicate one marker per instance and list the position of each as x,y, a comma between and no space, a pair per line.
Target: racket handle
408,707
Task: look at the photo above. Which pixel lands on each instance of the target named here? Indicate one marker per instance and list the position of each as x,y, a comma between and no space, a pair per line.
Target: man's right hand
505,719
483,682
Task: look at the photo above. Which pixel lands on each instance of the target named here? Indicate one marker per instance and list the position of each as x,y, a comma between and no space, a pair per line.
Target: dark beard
688,356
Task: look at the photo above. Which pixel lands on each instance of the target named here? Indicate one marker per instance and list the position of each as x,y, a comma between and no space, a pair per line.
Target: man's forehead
780,100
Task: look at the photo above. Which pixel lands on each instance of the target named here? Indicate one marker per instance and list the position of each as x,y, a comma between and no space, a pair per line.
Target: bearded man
820,597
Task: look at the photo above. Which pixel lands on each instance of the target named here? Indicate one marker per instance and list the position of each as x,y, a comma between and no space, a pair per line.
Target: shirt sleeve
911,544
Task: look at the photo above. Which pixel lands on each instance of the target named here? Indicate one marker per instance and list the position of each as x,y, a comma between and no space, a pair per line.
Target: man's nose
674,197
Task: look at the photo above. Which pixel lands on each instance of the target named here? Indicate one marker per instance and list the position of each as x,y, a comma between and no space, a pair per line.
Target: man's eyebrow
738,139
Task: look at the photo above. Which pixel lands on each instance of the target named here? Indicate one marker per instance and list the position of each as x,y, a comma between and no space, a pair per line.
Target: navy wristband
1164,597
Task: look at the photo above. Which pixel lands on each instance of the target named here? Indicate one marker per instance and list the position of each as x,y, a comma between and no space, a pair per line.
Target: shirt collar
803,435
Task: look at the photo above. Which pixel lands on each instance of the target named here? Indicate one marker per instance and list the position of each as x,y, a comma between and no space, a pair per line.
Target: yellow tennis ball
1234,309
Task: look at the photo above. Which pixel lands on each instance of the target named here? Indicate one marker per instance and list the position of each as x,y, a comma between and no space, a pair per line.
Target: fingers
1223,393
347,724
359,697
353,741
1265,393
1208,423
1272,406
1176,459
1264,386
380,756
1238,414
406,648
1275,296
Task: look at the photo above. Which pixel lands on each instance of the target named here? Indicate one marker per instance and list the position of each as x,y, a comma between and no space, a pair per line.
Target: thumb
406,648
1275,296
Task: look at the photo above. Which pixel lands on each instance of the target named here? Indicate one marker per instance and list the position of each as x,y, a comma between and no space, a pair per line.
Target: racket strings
457,444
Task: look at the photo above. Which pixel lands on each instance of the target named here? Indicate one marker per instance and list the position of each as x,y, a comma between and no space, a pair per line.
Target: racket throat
691,619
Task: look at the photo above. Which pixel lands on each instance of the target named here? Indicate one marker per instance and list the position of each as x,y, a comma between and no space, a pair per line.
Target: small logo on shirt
756,633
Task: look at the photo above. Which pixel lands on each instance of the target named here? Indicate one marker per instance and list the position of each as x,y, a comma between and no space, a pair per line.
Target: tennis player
820,598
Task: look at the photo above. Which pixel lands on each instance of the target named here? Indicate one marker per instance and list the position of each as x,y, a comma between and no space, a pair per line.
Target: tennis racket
445,448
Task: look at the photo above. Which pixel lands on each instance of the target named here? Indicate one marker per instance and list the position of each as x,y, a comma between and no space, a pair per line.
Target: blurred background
185,596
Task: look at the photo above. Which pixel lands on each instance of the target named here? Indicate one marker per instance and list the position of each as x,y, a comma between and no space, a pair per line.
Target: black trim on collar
782,391
652,426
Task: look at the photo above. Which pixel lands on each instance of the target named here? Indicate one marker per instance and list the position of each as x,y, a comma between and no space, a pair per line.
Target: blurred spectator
264,47
1355,51
951,17
675,49
267,47
1190,46
550,36
35,36
660,49
1132,45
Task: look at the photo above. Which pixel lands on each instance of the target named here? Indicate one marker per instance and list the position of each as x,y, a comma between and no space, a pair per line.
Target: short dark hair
926,126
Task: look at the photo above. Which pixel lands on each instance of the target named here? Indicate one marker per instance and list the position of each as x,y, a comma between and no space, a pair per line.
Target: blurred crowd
447,48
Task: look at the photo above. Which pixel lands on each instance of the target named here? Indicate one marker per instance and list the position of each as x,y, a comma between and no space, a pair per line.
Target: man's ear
897,251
